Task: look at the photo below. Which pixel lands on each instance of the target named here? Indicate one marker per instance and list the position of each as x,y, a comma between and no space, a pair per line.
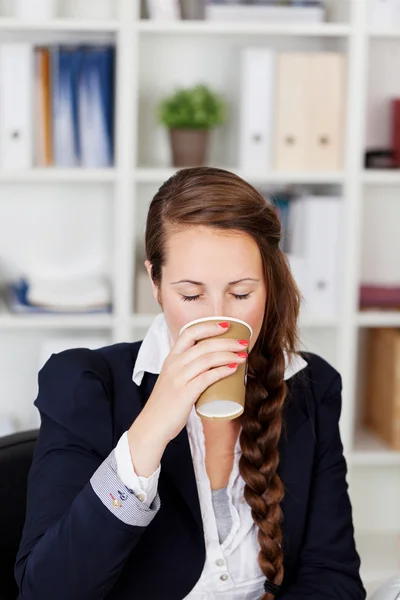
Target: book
379,296
382,385
164,10
306,13
395,130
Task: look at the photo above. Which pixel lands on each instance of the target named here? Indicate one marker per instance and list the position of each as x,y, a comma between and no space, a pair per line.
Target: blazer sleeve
75,541
328,566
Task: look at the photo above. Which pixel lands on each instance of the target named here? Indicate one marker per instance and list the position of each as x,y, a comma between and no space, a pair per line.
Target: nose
220,309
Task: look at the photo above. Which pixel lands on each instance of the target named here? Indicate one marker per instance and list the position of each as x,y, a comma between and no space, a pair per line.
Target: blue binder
96,106
66,66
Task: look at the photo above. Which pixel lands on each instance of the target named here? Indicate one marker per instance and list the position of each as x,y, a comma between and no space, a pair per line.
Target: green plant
194,107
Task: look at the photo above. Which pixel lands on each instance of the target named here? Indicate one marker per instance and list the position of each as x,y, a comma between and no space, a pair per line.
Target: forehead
204,249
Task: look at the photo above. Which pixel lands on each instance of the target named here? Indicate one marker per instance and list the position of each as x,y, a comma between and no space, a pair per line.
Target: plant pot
189,147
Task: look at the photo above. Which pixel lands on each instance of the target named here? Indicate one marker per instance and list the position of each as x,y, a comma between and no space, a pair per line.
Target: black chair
16,452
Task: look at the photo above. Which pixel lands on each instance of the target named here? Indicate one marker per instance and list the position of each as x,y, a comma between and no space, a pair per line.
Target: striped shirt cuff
119,498
145,488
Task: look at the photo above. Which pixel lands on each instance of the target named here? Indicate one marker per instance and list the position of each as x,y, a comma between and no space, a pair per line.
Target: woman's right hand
188,370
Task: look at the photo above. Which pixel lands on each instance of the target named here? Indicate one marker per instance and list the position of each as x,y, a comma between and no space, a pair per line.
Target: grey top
222,514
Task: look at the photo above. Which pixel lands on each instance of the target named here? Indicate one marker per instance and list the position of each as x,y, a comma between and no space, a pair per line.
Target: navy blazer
74,548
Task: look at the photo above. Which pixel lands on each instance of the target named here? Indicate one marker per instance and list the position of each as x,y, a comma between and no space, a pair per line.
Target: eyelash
190,298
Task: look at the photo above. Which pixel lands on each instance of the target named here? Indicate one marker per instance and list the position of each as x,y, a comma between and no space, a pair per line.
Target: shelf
14,322
378,318
201,27
369,450
157,175
57,175
381,176
14,24
380,555
387,32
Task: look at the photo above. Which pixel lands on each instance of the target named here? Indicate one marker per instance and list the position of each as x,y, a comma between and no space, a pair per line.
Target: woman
131,495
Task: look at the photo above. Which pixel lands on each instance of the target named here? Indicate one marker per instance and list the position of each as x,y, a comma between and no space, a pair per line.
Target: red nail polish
224,324
242,354
233,365
243,342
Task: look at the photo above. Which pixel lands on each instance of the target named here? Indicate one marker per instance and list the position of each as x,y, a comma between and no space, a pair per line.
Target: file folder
292,108
315,239
257,109
16,105
310,111
95,107
43,147
326,88
66,64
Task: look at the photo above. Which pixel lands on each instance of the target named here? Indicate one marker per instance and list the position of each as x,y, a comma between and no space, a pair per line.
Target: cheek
255,320
177,313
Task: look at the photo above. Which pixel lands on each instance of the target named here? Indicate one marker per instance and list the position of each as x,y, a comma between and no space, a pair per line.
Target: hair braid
261,431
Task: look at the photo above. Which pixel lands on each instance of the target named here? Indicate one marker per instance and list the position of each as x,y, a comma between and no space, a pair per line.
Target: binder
310,111
326,88
395,130
16,106
314,228
66,64
43,147
382,387
383,13
95,107
292,102
257,109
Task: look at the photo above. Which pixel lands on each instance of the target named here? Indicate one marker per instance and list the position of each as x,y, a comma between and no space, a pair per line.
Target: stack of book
278,11
56,106
382,385
379,296
292,110
90,295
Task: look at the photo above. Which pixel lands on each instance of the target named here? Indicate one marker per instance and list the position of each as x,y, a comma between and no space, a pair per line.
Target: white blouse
231,570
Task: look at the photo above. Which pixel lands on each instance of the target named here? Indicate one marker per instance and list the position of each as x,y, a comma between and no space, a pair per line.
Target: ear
154,288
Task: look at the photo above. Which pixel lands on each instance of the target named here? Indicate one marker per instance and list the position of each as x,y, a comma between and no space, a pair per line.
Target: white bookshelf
151,58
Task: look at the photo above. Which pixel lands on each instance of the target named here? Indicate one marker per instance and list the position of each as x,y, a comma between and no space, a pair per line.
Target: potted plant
189,114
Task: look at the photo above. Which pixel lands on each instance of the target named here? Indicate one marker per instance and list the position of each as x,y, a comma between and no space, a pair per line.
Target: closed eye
237,296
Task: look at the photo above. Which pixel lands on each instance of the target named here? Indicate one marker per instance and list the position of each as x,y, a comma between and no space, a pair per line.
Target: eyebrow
201,283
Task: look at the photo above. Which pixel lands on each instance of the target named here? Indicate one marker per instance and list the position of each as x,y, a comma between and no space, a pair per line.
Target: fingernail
233,365
242,354
224,324
242,342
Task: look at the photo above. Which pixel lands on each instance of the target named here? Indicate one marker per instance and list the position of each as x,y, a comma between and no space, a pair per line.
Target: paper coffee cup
224,400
